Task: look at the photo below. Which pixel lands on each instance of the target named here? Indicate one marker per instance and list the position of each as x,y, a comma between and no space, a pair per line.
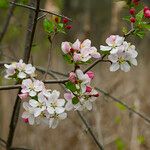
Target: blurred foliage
120,106
117,119
141,139
120,144
4,4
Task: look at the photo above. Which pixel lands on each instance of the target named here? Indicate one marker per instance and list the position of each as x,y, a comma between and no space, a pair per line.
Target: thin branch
125,105
95,63
17,148
3,141
41,10
10,87
90,130
7,21
28,45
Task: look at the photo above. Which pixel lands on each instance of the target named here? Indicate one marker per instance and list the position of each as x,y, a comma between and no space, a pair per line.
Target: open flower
28,114
54,104
121,60
19,70
54,120
32,87
80,51
113,42
38,105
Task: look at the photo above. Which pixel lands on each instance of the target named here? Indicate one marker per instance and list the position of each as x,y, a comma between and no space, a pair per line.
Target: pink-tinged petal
68,96
72,77
65,46
76,45
86,43
90,74
77,57
23,96
88,89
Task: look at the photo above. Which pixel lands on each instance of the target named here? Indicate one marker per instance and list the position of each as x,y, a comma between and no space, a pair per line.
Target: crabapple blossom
55,119
54,104
80,51
39,105
124,58
83,97
28,113
32,87
19,70
113,42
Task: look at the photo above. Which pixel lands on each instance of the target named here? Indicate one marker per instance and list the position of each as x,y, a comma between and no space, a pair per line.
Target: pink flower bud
25,120
147,13
72,77
68,27
65,46
23,95
65,20
90,74
96,95
88,89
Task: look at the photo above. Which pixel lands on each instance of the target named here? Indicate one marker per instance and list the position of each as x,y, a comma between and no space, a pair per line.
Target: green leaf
4,3
105,52
126,18
71,86
68,58
120,144
146,26
139,16
120,106
48,26
141,139
75,100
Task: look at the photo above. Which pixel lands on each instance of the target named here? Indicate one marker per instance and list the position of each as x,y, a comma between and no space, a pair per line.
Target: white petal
37,112
113,58
25,114
114,67
105,48
21,75
60,102
33,103
133,61
125,67
31,120
69,106
59,110
88,105
50,110
114,50
32,93
62,116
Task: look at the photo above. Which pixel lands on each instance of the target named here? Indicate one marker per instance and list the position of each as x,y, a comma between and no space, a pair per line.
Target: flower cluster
19,70
121,53
80,94
43,106
80,51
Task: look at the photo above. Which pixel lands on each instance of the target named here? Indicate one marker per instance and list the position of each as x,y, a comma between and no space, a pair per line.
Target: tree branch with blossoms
44,106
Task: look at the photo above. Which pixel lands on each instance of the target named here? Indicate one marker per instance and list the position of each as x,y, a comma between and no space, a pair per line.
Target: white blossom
32,87
113,42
